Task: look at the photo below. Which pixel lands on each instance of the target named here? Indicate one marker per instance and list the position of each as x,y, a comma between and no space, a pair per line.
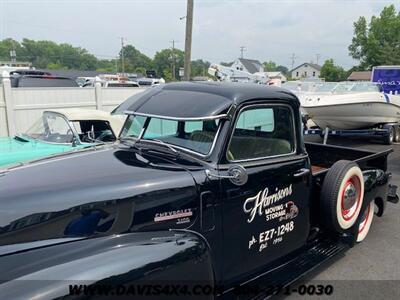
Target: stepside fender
163,257
376,184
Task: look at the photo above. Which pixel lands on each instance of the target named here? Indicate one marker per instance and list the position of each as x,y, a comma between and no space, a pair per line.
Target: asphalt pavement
371,269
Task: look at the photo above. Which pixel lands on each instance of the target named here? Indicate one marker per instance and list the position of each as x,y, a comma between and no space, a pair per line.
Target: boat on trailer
352,105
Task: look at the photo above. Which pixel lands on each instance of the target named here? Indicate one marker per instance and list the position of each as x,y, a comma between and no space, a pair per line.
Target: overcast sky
270,30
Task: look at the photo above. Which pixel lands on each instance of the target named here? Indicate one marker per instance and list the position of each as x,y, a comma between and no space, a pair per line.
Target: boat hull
352,111
354,116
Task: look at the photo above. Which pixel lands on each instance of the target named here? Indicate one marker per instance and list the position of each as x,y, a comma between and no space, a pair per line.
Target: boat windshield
365,87
52,128
325,87
292,85
356,87
197,136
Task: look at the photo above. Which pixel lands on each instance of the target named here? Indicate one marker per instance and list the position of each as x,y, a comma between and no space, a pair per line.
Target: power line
242,49
293,58
173,58
318,57
122,55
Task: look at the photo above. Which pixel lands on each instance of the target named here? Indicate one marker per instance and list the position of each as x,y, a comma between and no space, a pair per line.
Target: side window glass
262,132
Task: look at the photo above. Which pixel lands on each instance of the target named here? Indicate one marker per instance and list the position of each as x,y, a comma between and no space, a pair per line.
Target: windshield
197,136
51,127
354,87
365,87
326,87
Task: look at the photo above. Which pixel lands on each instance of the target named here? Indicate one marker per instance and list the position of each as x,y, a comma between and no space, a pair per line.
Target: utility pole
242,49
293,57
318,57
13,53
188,39
122,56
173,58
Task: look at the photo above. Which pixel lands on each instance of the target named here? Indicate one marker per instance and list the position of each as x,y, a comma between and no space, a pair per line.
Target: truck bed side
322,157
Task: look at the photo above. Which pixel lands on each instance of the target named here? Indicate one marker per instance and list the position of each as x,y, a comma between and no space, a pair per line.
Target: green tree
140,70
332,72
378,42
269,66
199,67
163,63
7,45
226,64
48,54
107,66
284,70
135,59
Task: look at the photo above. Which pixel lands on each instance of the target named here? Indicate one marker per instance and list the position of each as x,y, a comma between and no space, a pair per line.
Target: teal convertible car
58,131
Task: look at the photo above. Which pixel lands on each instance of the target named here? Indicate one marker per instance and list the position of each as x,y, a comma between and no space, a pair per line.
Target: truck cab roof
200,100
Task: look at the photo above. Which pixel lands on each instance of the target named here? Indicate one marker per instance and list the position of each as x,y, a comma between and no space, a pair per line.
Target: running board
298,269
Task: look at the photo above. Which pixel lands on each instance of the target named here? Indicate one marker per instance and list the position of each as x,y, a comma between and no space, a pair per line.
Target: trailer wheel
342,194
397,134
390,137
366,222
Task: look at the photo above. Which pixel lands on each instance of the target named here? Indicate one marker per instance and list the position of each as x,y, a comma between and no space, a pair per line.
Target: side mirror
236,174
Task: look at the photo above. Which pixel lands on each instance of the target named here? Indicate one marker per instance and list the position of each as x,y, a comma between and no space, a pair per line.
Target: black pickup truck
210,189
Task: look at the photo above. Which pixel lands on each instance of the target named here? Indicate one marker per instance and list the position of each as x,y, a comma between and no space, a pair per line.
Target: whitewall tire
342,196
366,222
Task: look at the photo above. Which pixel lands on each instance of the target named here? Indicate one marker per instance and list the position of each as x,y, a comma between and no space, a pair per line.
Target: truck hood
103,191
13,150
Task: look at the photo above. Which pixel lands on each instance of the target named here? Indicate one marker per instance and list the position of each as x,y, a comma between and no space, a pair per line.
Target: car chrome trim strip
128,112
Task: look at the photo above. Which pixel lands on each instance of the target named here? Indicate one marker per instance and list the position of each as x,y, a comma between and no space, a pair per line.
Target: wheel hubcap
350,198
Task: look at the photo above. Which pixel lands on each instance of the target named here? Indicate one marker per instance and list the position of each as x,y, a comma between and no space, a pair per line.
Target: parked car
211,185
58,131
113,84
18,81
29,72
81,81
144,81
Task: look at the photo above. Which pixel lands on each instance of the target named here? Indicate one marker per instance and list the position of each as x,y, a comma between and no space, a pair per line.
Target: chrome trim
128,112
302,172
264,157
71,126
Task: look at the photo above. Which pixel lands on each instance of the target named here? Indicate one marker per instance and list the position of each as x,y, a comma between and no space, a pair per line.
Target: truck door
268,216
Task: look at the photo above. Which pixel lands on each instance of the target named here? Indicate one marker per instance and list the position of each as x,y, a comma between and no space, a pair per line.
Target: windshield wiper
160,142
130,141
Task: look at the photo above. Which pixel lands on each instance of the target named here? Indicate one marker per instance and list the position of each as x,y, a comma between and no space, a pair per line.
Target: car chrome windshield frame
149,116
70,125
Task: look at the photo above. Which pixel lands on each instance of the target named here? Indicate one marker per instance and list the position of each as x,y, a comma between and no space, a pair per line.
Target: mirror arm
213,175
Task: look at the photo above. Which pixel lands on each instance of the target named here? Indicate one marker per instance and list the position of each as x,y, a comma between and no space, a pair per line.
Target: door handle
302,172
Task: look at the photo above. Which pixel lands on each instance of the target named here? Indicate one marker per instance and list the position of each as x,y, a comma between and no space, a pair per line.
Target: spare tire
342,195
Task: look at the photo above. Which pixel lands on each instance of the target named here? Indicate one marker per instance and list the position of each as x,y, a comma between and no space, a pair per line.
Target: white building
306,70
248,65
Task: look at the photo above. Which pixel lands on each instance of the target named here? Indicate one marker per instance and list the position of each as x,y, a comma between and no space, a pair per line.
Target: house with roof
248,65
306,70
360,76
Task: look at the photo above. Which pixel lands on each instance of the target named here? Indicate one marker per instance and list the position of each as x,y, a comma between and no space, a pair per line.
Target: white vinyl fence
21,107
